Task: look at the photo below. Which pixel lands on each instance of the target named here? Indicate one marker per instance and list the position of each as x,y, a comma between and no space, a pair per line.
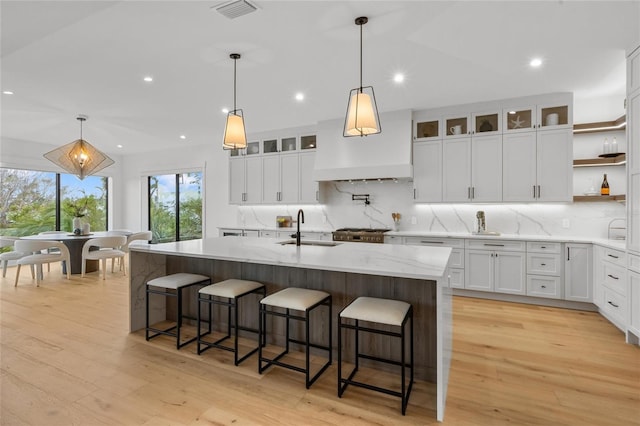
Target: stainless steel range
359,235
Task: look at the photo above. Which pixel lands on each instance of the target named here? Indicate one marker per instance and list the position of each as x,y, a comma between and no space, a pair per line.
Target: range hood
386,155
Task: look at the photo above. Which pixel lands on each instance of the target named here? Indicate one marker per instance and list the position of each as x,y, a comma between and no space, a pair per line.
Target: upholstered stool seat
296,299
172,286
231,291
377,311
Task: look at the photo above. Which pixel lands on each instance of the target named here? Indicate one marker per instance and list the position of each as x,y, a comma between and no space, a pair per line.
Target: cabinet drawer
615,256
542,247
615,278
428,241
615,306
393,239
457,258
541,286
268,234
496,245
544,264
456,278
634,262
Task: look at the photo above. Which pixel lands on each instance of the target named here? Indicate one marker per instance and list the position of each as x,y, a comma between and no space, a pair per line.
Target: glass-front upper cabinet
426,127
520,119
253,148
554,115
308,142
269,146
457,126
486,122
236,152
289,144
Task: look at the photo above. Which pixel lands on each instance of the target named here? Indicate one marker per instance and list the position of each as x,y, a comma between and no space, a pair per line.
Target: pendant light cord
235,60
360,58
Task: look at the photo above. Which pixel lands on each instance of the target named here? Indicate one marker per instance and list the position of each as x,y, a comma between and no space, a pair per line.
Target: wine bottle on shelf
604,189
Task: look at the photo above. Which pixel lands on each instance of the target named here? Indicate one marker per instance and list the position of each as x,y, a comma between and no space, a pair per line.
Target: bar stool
296,299
377,311
231,291
176,282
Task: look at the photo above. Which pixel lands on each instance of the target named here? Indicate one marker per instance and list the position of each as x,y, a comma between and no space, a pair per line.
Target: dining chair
36,252
108,248
6,241
138,236
52,233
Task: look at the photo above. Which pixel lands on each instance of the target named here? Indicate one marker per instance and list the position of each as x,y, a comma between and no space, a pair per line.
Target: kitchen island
346,270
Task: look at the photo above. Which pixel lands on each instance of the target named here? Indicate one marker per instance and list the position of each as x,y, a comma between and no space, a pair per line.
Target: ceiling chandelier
362,112
79,157
234,134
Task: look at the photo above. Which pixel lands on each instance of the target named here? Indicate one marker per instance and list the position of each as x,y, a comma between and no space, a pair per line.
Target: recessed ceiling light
225,110
148,79
299,96
535,62
118,146
7,92
398,77
183,137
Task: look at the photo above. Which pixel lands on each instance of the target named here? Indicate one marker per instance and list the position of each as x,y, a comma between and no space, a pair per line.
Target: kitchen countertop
426,263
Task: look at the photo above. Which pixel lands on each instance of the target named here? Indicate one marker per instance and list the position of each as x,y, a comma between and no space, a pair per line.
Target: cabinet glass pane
308,142
288,144
235,152
554,116
427,129
253,148
487,123
270,145
457,126
519,119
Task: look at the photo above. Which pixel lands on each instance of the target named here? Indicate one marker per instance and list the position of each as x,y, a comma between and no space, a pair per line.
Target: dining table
75,243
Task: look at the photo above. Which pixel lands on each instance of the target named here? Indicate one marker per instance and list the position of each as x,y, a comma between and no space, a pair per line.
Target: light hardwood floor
67,359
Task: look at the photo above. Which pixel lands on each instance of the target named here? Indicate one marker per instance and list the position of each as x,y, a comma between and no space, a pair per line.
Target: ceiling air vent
236,9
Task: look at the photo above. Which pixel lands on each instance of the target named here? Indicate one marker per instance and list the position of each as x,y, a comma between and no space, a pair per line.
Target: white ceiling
64,58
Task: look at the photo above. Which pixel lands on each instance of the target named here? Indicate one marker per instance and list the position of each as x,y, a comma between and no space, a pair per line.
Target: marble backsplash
584,219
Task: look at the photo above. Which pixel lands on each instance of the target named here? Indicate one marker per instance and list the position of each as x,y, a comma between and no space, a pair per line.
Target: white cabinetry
611,285
544,269
309,188
427,171
538,165
633,154
633,328
245,180
456,169
497,266
577,276
280,178
456,262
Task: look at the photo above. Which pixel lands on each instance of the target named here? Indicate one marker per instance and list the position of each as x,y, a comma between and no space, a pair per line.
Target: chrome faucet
300,213
482,227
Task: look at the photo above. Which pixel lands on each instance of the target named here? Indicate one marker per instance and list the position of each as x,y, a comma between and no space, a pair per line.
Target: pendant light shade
362,111
235,136
79,157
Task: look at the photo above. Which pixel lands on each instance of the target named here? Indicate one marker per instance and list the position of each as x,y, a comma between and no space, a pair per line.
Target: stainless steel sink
309,243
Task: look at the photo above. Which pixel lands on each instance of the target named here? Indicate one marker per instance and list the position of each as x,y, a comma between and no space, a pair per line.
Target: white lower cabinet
611,285
633,328
456,263
544,269
544,286
577,272
497,266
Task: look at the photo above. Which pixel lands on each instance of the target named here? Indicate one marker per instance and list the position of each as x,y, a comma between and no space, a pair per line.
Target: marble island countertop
427,263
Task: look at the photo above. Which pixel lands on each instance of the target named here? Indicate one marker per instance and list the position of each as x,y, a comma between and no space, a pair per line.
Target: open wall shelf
596,198
618,160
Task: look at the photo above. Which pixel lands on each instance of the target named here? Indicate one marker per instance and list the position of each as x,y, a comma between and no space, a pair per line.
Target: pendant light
79,157
362,112
234,134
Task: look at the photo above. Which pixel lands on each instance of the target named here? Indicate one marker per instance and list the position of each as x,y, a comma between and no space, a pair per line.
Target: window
175,207
32,201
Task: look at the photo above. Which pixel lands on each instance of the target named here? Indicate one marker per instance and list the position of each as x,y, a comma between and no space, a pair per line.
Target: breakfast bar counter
417,275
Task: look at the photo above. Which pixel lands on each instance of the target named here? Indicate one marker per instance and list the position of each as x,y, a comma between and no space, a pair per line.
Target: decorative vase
76,225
